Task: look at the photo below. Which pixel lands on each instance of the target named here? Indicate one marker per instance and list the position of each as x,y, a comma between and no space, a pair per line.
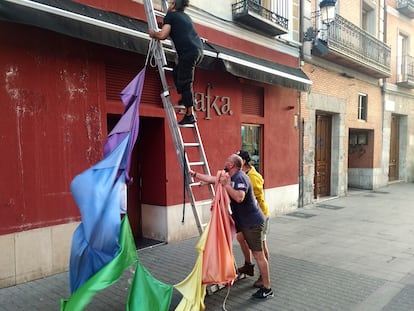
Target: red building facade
60,98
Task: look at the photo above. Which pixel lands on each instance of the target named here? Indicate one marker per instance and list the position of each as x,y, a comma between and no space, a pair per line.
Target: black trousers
183,74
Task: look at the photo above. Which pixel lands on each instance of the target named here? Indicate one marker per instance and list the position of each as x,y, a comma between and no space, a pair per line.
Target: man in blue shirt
246,213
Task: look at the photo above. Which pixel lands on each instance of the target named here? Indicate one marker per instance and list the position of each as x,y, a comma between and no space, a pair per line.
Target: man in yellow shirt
257,182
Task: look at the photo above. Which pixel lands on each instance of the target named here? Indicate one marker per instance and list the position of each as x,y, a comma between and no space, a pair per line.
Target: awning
79,21
115,30
253,68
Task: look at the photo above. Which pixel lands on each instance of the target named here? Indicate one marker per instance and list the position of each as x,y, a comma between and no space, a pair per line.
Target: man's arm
162,34
235,194
203,177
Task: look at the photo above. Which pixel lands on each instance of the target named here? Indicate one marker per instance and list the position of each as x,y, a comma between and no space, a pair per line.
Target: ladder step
179,107
168,68
186,125
196,163
191,144
159,13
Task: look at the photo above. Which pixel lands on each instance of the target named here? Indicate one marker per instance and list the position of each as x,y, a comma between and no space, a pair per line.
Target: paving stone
403,301
359,257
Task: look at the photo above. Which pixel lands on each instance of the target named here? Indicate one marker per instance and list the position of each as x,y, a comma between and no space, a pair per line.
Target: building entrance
322,180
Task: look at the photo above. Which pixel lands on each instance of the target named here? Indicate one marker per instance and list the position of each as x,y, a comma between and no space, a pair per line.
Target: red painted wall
53,125
50,123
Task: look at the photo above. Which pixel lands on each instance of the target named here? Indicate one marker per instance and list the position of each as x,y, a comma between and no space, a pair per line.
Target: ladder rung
198,183
159,13
186,125
167,68
179,107
191,144
196,163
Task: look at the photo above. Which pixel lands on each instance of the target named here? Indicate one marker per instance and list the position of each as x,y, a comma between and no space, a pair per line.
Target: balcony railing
252,15
405,76
406,7
351,46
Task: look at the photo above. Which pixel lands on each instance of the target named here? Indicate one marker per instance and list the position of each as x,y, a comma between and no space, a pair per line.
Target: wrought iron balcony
250,14
406,7
346,44
405,77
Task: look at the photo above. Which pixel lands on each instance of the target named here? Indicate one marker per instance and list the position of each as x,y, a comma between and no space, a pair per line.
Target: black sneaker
263,293
188,119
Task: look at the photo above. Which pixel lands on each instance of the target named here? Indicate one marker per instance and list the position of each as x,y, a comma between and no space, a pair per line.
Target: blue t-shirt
247,213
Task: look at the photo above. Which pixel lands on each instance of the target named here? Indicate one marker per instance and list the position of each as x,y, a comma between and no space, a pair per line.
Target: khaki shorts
254,237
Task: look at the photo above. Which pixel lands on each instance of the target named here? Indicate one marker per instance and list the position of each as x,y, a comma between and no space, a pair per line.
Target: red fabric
218,260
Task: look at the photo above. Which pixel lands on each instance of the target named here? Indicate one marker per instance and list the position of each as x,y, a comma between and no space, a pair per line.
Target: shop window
253,100
362,107
251,135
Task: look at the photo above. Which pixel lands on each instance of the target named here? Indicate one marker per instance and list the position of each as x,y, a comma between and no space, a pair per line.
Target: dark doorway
147,149
394,149
323,136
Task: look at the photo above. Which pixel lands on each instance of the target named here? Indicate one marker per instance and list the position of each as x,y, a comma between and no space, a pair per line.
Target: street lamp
327,11
327,14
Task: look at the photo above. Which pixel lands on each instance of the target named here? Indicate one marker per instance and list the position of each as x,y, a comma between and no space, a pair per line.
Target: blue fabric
98,194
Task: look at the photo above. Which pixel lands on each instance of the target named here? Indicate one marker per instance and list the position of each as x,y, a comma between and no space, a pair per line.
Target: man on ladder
179,26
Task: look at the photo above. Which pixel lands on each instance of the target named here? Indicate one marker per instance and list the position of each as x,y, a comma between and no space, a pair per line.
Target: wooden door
394,149
322,181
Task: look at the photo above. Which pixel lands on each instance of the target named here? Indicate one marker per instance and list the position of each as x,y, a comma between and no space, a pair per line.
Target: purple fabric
129,122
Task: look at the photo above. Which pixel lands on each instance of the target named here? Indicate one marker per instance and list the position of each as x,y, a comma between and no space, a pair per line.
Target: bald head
237,160
233,164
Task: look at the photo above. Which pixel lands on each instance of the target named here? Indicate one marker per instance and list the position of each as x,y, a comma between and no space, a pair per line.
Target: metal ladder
193,147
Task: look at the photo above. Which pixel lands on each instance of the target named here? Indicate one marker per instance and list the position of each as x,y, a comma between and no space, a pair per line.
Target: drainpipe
299,118
300,123
382,83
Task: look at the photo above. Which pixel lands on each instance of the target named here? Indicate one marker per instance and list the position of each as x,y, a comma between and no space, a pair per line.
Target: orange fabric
218,260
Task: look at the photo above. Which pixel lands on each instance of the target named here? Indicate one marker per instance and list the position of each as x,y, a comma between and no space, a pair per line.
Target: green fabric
108,275
147,293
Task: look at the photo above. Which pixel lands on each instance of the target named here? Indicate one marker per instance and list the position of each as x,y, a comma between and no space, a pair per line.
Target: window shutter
119,75
253,100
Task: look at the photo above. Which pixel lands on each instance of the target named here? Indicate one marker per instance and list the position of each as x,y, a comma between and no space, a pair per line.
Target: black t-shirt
183,33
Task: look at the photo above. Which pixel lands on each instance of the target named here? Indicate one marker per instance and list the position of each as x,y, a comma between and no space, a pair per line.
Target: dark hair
180,5
244,155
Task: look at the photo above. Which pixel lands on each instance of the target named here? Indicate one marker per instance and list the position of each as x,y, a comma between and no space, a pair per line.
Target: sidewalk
352,253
